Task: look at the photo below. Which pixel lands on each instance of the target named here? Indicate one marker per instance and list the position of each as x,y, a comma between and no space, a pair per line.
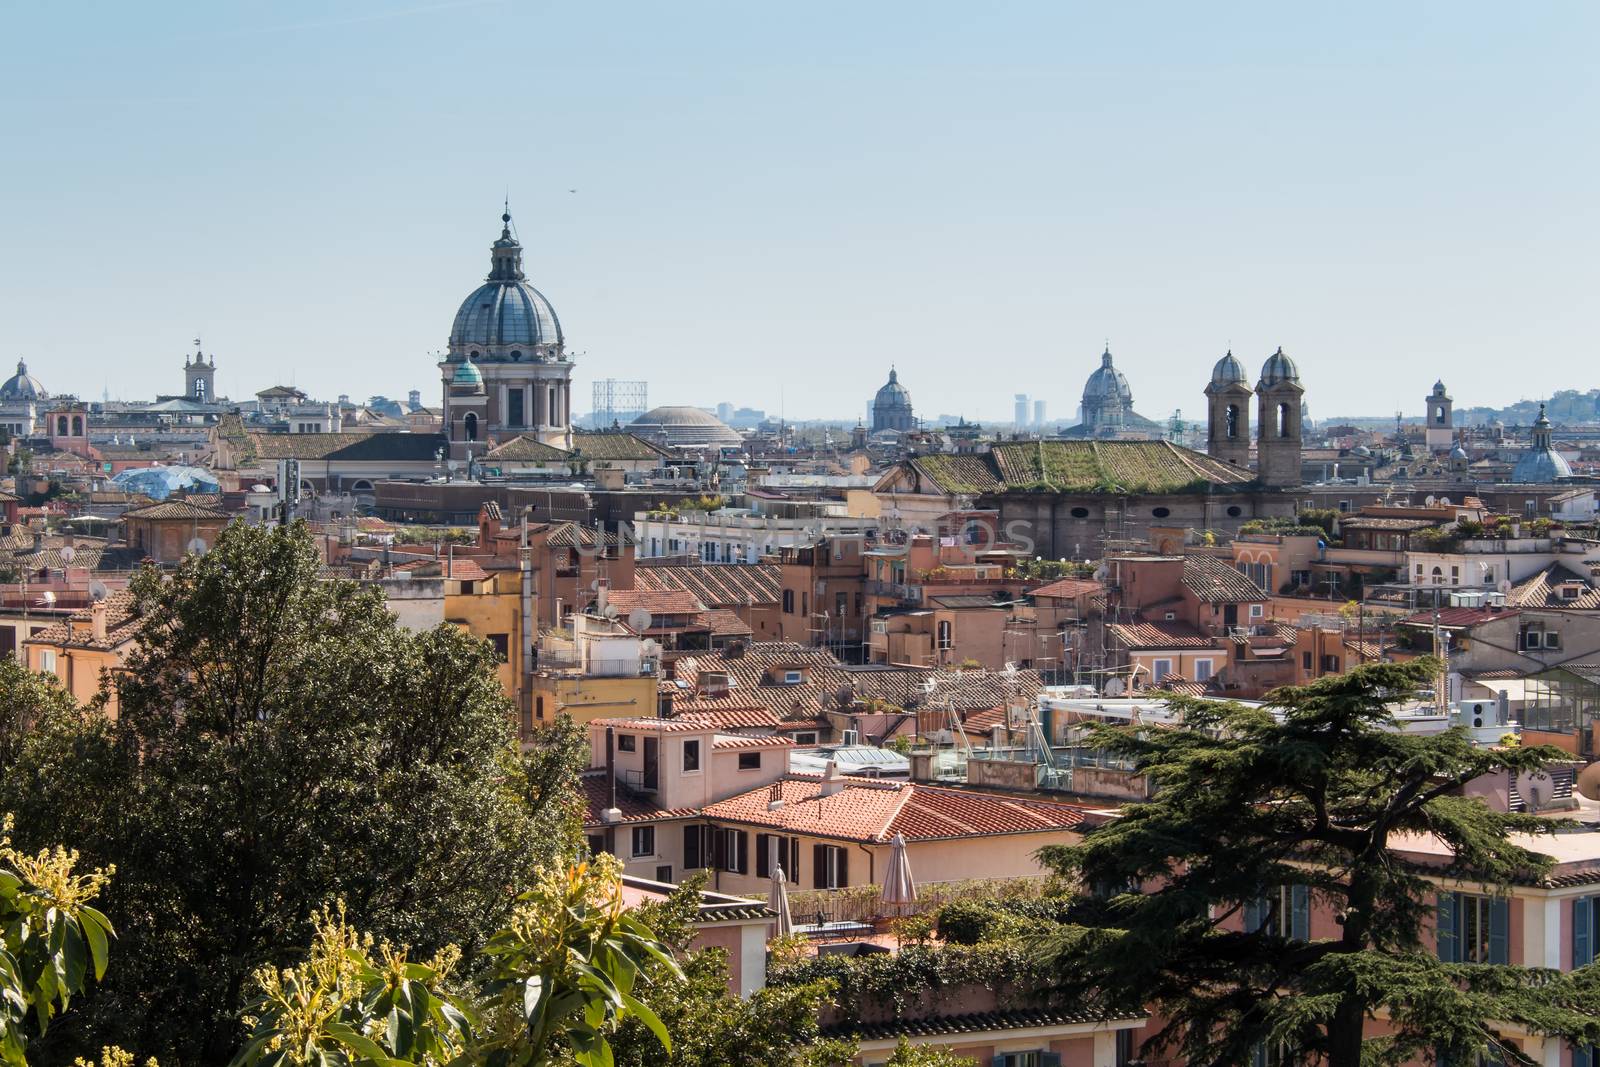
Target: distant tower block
1441,419
1038,414
1021,413
200,376
1228,412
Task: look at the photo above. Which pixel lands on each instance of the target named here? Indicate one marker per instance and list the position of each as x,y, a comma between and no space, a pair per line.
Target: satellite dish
611,611
47,598
639,619
1536,791
1102,572
1115,687
1429,501
197,545
1505,585
97,591
650,647
259,488
68,554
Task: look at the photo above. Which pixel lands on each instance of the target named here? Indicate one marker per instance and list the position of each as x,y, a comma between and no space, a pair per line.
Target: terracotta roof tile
1218,581
1069,587
1158,635
876,811
724,585
634,808
122,626
732,741
663,602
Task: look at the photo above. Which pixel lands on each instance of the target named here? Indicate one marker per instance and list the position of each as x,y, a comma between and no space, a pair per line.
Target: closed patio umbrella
778,901
899,888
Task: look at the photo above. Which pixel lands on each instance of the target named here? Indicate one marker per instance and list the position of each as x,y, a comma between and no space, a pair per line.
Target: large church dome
506,319
22,386
684,427
1107,383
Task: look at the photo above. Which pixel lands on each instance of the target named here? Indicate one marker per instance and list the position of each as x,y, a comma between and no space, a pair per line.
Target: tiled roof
572,535
414,447
1079,467
174,509
613,445
1158,635
664,602
724,585
747,718
1539,590
1454,617
678,725
731,741
725,623
876,811
523,448
972,1023
634,808
1217,581
122,625
971,601
1069,587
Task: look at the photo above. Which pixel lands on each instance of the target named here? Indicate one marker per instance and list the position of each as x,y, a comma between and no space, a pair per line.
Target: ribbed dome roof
1228,370
1279,368
1107,383
1541,465
893,394
23,386
684,427
506,310
467,375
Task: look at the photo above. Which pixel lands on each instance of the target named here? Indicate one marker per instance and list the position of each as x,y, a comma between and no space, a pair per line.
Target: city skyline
705,198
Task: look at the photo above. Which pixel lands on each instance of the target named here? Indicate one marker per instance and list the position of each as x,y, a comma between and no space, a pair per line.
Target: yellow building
594,668
86,645
488,605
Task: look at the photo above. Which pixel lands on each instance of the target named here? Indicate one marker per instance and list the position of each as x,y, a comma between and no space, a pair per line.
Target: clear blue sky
776,202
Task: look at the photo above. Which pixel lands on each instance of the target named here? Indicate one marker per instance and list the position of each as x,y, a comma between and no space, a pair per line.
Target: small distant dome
1279,368
23,386
1541,465
1459,453
1438,387
1227,371
893,393
1361,450
684,427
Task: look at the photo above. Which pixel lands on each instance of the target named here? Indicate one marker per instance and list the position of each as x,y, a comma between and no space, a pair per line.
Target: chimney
601,588
612,812
97,620
831,782
775,797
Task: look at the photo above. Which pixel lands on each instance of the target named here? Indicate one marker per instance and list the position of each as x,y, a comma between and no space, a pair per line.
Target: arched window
1438,415
77,425
1438,576
1283,420
1232,421
61,426
470,425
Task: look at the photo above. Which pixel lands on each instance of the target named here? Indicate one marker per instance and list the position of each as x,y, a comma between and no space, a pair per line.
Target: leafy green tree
27,698
1250,805
281,744
354,1001
908,1055
51,940
560,975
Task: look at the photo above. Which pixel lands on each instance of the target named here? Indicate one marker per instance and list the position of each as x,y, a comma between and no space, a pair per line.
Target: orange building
83,648
168,530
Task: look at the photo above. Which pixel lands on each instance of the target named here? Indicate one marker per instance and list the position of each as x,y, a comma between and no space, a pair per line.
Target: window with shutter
693,853
764,854
1445,920
1583,932
819,866
1300,913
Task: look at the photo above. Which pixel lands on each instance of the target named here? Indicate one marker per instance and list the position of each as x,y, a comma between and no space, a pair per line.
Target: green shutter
1583,933
1300,913
1499,930
1255,914
1445,917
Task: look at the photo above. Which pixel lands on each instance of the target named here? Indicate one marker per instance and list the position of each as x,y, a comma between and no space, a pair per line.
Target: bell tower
1228,412
1278,444
1440,431
200,376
